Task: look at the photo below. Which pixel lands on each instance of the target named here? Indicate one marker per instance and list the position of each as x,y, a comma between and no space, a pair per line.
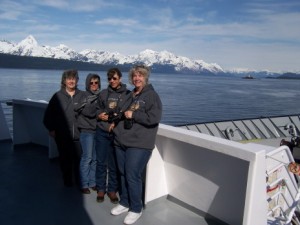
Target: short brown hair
67,74
111,72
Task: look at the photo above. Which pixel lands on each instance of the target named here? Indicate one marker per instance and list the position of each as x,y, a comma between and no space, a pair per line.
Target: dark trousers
107,179
69,159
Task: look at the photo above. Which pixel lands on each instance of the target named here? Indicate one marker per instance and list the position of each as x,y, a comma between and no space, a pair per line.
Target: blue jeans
131,164
88,160
106,169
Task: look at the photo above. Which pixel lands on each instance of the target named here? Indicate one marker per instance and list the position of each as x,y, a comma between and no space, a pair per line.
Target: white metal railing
5,120
283,193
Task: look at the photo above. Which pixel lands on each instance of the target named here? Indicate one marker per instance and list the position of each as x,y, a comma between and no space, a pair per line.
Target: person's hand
111,127
128,114
103,116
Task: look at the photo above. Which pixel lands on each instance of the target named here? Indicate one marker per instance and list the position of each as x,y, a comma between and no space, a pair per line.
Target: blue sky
255,34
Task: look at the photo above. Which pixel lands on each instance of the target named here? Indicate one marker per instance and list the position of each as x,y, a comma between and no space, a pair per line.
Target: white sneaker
132,217
119,209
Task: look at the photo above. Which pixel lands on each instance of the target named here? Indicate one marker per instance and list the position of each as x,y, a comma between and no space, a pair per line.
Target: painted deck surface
32,190
32,193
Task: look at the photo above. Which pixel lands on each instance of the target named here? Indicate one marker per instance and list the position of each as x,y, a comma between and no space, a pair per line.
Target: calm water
186,98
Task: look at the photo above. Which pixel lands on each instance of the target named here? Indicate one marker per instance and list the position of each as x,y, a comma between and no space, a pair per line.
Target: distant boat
248,77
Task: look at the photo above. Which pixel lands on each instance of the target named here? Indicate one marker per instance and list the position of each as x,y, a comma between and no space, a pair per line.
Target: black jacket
60,116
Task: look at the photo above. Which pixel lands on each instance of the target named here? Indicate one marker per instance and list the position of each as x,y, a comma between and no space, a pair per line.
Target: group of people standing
105,137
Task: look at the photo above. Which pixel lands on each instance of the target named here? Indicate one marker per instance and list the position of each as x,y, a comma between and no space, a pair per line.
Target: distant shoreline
10,61
42,63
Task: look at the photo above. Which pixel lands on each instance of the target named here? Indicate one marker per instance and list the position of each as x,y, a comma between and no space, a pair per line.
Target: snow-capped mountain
30,47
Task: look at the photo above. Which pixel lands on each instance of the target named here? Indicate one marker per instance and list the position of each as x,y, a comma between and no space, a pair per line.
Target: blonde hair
141,69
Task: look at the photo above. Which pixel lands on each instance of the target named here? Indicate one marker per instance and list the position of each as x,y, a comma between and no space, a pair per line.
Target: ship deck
32,192
192,177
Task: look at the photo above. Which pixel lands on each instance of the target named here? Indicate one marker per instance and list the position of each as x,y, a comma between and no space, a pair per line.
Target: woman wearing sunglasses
109,112
87,122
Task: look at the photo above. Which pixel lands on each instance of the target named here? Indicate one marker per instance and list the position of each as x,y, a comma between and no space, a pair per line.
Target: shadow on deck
32,193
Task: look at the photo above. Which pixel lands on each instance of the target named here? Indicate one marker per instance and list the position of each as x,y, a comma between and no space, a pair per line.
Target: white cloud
117,22
76,5
11,10
264,35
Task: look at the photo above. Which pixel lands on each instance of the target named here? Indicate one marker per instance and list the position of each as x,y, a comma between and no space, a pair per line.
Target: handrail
251,129
5,120
284,193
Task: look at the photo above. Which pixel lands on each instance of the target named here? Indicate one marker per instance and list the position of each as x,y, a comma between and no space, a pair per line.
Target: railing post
4,131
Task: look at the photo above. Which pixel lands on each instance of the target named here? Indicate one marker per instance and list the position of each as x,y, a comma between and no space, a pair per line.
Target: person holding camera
110,103
134,141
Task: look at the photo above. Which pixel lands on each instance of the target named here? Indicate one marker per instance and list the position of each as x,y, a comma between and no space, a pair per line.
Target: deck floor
32,193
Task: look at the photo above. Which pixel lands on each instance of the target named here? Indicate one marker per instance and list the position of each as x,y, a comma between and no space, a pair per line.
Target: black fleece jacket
60,116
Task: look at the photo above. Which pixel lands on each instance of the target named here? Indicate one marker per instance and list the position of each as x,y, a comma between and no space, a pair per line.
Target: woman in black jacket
60,120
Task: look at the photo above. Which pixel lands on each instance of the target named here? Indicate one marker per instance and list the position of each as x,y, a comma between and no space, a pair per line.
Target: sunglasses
112,78
96,82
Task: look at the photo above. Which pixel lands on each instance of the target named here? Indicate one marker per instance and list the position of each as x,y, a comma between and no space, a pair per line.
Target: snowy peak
30,47
150,57
29,41
6,46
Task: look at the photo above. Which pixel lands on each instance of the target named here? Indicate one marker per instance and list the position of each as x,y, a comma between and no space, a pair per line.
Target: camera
128,123
112,117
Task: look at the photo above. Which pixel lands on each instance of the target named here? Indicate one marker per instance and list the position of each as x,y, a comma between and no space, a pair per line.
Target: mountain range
163,61
30,47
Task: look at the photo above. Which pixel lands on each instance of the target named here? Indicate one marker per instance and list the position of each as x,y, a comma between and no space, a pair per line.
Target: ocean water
186,98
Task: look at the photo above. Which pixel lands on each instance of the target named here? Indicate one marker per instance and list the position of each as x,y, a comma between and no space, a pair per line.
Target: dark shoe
100,196
113,197
94,188
284,142
85,191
